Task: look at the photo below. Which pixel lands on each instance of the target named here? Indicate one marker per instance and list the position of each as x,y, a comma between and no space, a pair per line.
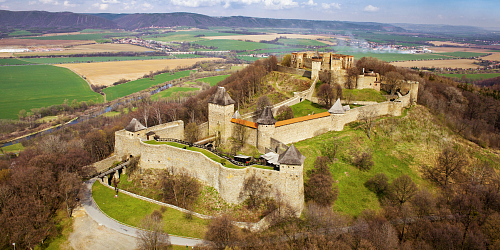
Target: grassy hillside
400,145
35,86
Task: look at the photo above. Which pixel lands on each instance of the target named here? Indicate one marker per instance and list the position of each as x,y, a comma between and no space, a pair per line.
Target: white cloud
102,6
67,4
280,4
32,2
195,3
268,4
110,1
440,16
371,8
147,6
4,6
53,2
311,3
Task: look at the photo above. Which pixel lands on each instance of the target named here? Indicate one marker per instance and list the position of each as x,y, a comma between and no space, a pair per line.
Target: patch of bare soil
89,235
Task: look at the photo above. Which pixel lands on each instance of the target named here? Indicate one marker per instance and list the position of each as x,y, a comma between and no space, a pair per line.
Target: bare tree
152,237
240,136
393,80
402,189
179,189
284,113
368,117
262,102
319,187
221,233
157,111
326,94
70,186
450,166
191,132
254,190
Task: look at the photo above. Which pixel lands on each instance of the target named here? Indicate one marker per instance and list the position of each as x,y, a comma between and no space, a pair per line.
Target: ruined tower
220,110
265,129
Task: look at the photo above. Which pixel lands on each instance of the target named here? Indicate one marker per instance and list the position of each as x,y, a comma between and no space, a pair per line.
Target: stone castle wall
227,181
289,70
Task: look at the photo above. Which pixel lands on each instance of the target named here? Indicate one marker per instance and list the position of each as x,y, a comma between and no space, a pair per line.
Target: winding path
96,214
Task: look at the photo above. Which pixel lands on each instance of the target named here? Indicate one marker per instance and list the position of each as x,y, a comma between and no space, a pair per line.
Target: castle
332,68
267,134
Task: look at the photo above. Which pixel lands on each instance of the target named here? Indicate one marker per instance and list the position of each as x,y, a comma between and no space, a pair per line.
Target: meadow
307,107
473,76
9,61
131,211
395,57
185,36
213,80
452,63
131,87
460,54
226,44
35,86
95,36
170,91
62,60
301,42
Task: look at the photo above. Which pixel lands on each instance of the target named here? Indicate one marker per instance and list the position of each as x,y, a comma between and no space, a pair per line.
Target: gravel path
95,213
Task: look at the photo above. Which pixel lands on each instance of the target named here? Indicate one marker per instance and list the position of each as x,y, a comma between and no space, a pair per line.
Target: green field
463,54
226,44
62,60
97,36
213,80
301,42
249,58
130,211
473,76
391,38
131,87
14,148
392,57
35,86
185,36
306,108
170,91
369,95
22,33
4,61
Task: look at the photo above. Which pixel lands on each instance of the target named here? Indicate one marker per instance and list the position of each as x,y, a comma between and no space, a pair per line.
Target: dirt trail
88,234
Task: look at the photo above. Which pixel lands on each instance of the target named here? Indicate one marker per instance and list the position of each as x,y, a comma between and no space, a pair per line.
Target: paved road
96,214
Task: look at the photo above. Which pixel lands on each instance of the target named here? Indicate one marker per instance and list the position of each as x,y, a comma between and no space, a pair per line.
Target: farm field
457,49
473,76
22,43
131,87
460,54
106,73
89,49
456,63
186,36
95,36
393,57
226,44
35,86
301,42
213,80
8,61
60,60
170,91
267,37
494,57
249,58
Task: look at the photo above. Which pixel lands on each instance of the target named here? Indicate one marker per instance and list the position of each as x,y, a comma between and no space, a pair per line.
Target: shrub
378,184
364,161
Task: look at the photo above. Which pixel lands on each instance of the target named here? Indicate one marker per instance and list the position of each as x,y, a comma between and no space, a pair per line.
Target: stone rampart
105,164
302,130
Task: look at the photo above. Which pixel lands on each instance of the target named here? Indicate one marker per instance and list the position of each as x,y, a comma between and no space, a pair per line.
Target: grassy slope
131,210
27,87
365,95
306,108
131,87
170,91
400,145
213,80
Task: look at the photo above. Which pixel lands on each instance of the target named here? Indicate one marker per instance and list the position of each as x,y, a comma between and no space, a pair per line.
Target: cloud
224,3
440,16
102,6
67,4
53,2
110,1
332,5
311,3
195,3
4,6
147,6
371,8
280,4
32,2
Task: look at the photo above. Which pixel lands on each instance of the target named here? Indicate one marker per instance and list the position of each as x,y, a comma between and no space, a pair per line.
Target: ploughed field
35,86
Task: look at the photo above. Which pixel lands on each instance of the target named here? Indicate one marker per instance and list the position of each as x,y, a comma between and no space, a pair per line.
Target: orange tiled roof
301,119
245,123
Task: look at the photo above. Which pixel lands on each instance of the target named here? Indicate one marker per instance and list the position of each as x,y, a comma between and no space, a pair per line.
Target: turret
265,129
220,111
291,178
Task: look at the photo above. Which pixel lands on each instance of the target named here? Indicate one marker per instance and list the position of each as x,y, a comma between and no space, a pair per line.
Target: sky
480,13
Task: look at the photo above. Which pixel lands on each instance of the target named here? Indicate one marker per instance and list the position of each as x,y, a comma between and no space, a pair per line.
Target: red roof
245,123
301,119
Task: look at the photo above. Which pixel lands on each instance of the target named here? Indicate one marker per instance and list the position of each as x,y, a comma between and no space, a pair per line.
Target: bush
378,184
363,161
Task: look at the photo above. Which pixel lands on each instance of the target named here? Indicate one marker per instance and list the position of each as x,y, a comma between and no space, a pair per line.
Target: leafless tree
450,166
240,136
368,117
254,190
221,233
191,132
152,237
392,80
70,186
402,189
157,111
179,188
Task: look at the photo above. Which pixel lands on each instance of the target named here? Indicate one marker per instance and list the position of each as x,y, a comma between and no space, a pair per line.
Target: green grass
64,227
306,108
370,95
18,147
463,54
22,33
170,91
301,42
131,87
226,44
473,76
391,57
249,58
213,80
4,61
111,114
97,36
61,60
130,211
27,87
185,36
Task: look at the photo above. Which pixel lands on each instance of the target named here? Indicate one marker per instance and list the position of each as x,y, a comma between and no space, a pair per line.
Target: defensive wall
227,181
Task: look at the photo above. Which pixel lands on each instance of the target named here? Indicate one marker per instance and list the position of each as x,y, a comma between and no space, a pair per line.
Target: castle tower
220,111
265,129
316,65
292,178
413,92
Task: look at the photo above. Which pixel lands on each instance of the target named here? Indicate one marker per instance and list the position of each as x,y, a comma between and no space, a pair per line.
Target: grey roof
271,157
266,118
346,107
291,156
337,108
221,97
134,126
237,115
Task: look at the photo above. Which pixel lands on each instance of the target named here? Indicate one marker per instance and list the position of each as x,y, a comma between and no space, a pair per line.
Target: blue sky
481,13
